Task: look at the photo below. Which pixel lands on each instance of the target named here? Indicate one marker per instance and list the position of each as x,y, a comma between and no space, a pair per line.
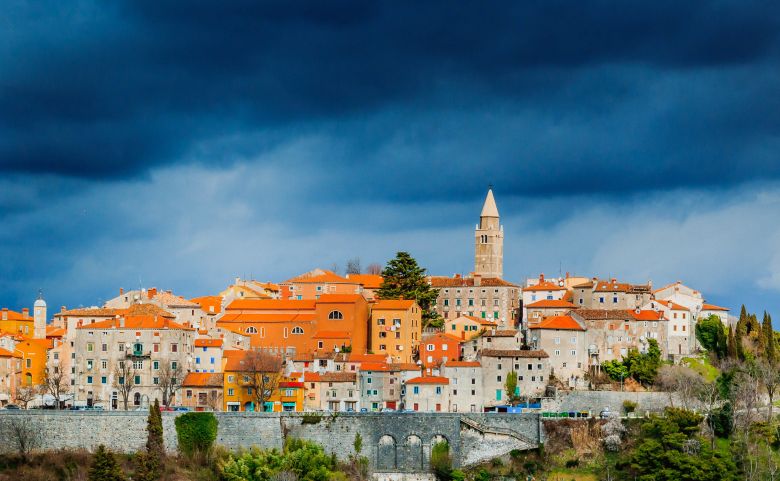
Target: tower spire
489,208
489,241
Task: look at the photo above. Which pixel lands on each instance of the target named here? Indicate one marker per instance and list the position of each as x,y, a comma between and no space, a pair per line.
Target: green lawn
702,365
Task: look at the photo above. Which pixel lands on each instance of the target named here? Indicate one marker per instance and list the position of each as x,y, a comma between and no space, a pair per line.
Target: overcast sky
178,145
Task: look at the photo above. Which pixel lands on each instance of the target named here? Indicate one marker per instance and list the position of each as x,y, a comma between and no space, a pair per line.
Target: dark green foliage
482,475
358,443
629,406
148,464
441,462
721,421
105,466
732,345
669,450
712,336
510,386
404,278
642,367
770,349
196,432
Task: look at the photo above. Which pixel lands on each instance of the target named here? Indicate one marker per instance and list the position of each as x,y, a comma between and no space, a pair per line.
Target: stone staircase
498,430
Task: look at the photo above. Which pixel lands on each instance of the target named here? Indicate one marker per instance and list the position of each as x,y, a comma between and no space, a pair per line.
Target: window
91,347
251,330
230,391
155,365
430,348
174,348
297,330
336,315
319,344
155,380
416,390
89,364
574,340
121,380
557,352
138,364
174,364
137,380
103,379
557,340
601,300
438,389
104,347
614,300
498,394
89,379
104,364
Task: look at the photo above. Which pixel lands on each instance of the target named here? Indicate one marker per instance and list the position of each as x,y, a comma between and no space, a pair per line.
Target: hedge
196,432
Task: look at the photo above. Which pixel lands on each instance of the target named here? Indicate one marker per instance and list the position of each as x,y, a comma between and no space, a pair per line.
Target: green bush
311,418
306,460
629,406
441,462
196,432
105,466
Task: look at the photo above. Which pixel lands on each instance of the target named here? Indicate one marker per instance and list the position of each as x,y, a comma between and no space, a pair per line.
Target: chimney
567,275
121,322
151,292
613,280
121,291
541,278
25,312
63,309
5,313
477,280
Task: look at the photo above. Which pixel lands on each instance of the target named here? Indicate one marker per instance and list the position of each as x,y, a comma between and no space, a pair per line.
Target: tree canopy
403,277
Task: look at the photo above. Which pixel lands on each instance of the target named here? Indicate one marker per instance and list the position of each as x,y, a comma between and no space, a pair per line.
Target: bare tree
769,376
26,434
170,379
709,399
260,373
374,268
124,380
679,381
353,266
56,383
214,400
25,394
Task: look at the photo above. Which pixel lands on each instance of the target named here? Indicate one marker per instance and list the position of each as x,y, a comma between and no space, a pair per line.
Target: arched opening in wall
386,454
137,399
439,450
413,453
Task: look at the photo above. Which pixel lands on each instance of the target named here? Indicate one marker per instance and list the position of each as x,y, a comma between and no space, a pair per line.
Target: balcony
132,354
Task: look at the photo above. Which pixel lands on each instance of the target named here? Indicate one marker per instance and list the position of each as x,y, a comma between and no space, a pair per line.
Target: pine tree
105,466
769,339
149,462
404,278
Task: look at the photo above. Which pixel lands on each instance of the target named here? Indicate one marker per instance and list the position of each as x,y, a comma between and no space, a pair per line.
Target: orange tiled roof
374,366
646,315
54,331
567,323
458,281
271,304
203,379
603,314
338,377
90,312
544,286
16,316
209,304
672,305
443,336
356,357
713,307
462,364
250,317
552,303
502,333
479,320
368,281
340,298
319,276
332,335
235,362
392,304
137,322
7,353
513,353
404,366
207,343
428,380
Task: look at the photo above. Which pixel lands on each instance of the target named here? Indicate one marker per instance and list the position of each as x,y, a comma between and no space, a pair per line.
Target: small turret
39,317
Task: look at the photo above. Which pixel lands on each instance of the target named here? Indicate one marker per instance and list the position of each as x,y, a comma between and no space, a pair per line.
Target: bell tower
39,317
489,241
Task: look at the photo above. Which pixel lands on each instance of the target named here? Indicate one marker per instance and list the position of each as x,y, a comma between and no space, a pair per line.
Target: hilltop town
321,341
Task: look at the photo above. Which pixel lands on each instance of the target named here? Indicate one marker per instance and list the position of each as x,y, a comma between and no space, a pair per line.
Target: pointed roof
489,208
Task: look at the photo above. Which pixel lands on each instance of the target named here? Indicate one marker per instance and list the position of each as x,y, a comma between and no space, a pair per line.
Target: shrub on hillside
196,432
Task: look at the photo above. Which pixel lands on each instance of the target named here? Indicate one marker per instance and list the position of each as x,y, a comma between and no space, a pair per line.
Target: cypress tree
769,339
149,462
105,466
404,278
732,345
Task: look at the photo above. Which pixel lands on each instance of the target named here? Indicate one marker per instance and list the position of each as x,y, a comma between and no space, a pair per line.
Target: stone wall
596,401
393,442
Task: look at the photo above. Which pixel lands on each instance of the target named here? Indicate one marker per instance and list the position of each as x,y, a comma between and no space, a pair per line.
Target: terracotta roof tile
16,316
203,379
209,304
544,286
388,304
7,353
319,276
646,315
338,377
428,380
713,307
462,364
249,317
552,303
443,281
207,343
368,281
271,305
374,366
567,323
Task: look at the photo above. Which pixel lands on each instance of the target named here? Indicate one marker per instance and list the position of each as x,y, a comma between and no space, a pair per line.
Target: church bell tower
489,241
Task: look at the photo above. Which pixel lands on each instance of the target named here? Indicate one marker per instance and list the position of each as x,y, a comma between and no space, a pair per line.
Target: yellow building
287,396
33,354
396,328
468,327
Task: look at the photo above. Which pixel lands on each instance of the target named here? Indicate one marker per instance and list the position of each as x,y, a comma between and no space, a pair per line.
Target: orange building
438,349
370,282
10,375
237,393
318,282
33,354
396,328
333,321
14,322
202,391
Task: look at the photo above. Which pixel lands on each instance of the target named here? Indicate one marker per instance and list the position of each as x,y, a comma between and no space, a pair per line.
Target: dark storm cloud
106,92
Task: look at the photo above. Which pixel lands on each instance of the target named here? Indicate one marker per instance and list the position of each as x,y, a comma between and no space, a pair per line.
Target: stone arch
413,453
436,439
386,456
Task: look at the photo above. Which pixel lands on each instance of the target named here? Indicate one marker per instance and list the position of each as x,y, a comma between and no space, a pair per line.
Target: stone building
380,386
541,289
337,391
201,391
427,394
465,378
611,294
532,368
144,344
493,339
565,340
